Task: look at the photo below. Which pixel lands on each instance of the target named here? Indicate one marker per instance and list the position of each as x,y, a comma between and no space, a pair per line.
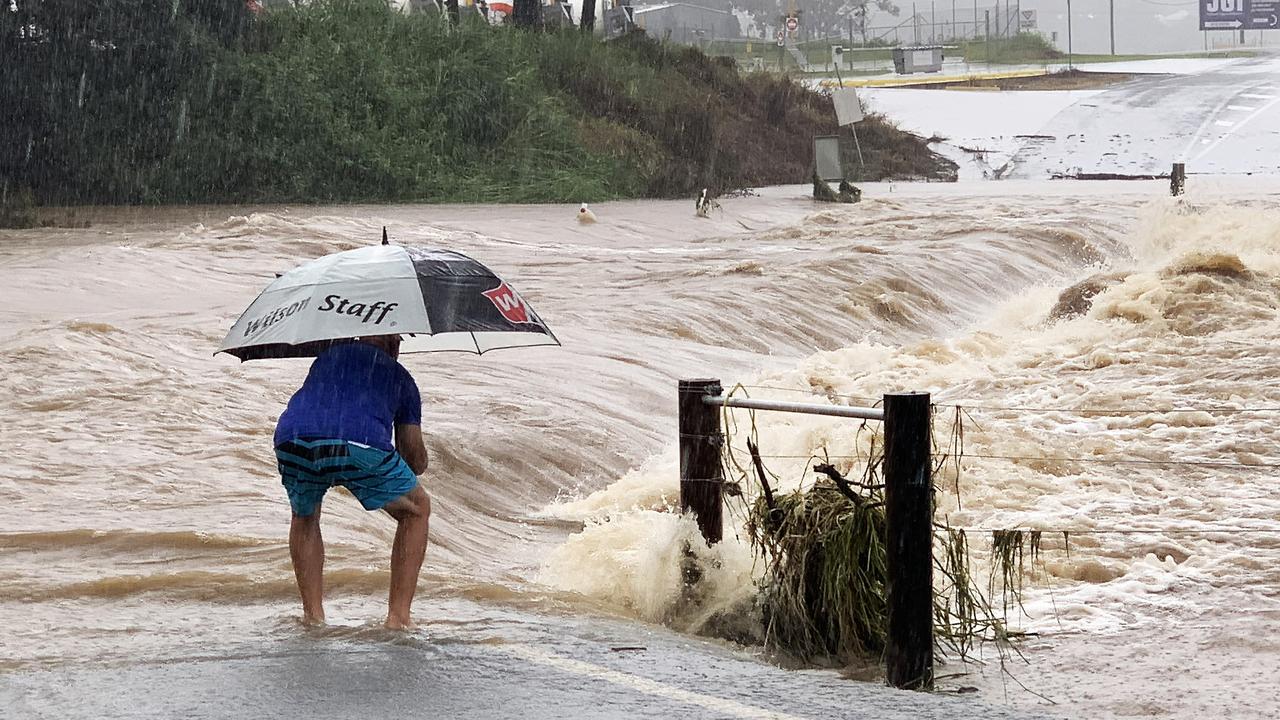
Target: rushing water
145,520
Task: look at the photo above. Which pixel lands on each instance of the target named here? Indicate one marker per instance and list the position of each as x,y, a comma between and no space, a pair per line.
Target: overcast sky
1142,26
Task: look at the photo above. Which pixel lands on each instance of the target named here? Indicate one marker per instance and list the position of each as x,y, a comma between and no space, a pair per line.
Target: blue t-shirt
353,392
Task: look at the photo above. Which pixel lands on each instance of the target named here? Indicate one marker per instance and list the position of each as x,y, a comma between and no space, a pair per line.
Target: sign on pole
1027,20
793,23
1240,14
848,106
782,38
826,158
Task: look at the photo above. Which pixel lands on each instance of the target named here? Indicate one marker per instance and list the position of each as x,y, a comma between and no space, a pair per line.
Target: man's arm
411,447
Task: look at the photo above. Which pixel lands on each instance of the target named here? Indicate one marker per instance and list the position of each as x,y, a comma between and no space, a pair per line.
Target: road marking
722,706
1241,124
1224,123
1257,96
1242,108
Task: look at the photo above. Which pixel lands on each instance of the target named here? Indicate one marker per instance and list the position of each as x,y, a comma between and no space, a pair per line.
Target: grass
823,593
1170,56
1031,48
349,101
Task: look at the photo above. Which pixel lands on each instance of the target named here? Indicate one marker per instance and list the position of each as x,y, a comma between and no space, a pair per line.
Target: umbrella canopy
502,7
444,299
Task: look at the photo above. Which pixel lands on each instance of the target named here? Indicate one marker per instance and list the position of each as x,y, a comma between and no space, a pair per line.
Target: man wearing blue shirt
337,430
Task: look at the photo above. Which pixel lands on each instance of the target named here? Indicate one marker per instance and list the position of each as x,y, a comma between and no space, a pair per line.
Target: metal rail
805,408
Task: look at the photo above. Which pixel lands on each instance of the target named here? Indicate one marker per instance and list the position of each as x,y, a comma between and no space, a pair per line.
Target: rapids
144,516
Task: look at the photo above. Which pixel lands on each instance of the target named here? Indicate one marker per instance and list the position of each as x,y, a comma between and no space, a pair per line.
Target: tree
105,84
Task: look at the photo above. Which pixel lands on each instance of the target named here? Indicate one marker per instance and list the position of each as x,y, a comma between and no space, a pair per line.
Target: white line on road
1257,96
1227,134
1242,108
1224,123
722,706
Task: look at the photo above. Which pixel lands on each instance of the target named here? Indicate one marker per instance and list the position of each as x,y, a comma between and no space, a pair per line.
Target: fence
907,469
908,505
953,24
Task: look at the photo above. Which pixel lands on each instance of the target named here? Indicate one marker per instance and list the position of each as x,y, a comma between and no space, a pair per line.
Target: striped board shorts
310,466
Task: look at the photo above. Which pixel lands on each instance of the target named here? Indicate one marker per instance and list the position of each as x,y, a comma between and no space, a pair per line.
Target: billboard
1240,14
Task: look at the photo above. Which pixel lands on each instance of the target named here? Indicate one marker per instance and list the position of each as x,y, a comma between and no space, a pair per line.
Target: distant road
1223,120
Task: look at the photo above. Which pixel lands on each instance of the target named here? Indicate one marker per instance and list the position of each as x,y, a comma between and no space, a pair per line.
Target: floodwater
145,526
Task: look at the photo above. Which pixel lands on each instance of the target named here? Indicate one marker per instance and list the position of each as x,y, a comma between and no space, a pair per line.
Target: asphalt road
532,667
1223,121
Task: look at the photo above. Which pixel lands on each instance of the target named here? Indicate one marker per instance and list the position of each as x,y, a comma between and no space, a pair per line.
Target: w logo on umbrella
508,303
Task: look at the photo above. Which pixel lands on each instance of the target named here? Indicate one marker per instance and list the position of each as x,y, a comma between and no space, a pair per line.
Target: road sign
826,157
793,23
848,106
1240,14
1027,20
782,38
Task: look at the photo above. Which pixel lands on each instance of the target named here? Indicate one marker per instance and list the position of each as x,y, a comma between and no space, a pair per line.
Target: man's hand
411,447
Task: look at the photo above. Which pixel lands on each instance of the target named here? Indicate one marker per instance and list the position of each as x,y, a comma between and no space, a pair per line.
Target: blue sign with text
1240,14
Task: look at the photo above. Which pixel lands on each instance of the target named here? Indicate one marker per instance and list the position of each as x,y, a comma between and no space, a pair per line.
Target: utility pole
915,25
1113,27
1070,58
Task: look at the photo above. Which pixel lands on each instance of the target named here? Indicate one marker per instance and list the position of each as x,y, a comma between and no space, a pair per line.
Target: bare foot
312,621
399,624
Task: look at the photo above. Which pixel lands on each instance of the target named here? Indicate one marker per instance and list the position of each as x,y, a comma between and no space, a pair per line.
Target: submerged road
534,668
1222,120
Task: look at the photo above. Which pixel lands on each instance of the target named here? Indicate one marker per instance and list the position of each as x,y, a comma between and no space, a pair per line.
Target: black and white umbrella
441,299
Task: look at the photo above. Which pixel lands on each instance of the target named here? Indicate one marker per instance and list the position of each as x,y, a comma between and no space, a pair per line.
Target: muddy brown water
145,522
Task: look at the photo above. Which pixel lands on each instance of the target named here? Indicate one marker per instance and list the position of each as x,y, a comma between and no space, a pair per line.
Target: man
337,430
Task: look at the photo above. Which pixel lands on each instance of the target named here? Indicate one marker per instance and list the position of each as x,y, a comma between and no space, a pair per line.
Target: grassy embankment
344,100
1032,48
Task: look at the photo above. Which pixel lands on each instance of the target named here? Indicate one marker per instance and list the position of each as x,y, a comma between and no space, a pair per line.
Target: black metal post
1178,179
701,473
1113,27
588,15
908,495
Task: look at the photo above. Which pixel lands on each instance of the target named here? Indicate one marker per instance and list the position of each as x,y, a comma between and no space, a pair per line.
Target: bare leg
306,548
412,512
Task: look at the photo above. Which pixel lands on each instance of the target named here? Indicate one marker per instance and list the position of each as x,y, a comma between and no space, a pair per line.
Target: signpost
849,112
1027,20
1240,14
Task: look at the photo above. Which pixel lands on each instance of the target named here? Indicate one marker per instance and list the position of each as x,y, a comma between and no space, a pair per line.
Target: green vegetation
1021,48
1033,48
824,590
345,100
17,209
823,593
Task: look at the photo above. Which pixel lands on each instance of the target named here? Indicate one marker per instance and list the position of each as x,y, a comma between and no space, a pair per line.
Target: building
687,23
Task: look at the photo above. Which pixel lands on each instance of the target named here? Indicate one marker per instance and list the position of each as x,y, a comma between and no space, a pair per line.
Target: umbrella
502,7
442,299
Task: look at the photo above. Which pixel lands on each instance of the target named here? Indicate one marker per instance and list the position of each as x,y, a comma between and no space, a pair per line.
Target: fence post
701,473
1178,179
908,495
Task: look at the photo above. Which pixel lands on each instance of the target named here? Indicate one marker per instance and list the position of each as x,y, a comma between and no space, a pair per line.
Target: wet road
537,668
1224,120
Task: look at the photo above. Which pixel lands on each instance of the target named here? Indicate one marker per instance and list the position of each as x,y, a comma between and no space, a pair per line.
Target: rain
624,358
